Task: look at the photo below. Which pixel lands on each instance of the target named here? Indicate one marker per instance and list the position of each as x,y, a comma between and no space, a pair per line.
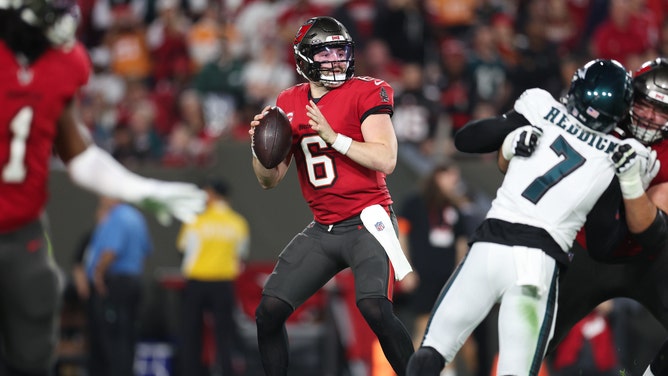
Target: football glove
649,168
168,200
626,162
521,142
95,170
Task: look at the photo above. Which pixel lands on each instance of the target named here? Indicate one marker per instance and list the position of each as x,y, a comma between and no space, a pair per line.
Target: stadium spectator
166,40
434,228
621,34
264,75
215,247
126,41
114,266
487,71
416,118
405,27
589,348
455,83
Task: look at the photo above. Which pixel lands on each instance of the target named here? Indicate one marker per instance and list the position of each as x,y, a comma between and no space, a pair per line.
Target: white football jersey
560,182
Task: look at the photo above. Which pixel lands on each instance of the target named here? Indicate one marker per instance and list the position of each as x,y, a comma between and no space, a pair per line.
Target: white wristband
342,143
631,188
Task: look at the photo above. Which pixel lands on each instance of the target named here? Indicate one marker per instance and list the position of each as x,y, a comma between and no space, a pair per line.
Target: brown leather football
273,138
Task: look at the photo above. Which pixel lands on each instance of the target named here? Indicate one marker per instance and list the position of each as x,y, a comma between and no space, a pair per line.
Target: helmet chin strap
330,80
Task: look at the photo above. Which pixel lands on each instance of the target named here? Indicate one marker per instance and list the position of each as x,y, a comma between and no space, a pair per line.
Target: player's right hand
649,168
179,200
626,162
521,142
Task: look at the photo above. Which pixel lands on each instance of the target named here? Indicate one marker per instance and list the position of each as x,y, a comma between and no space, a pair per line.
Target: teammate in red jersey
615,263
41,69
343,147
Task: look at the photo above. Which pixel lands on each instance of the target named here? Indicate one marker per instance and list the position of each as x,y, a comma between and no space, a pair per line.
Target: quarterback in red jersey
343,144
41,69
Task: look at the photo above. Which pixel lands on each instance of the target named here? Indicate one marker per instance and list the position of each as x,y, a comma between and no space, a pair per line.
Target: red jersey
334,186
33,97
661,149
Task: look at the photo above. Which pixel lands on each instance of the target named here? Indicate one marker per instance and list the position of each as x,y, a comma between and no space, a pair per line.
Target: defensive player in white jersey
519,249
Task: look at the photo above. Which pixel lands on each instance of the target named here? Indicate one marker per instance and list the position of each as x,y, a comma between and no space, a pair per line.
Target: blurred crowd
171,77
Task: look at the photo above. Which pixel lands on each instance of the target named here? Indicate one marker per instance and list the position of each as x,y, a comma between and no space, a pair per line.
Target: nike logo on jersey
24,76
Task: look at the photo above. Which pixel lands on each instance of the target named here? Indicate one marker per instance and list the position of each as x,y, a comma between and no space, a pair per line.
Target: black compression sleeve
606,226
654,238
487,135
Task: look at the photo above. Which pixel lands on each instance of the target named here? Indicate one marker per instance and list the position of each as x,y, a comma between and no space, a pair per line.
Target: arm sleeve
487,135
99,172
655,237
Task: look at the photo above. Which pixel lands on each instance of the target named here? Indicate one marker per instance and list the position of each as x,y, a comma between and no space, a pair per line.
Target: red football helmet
317,35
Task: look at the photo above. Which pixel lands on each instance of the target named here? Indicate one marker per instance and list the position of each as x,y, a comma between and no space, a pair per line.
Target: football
273,138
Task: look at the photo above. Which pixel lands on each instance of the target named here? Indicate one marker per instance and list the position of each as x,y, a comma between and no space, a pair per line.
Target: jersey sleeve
81,65
377,97
526,103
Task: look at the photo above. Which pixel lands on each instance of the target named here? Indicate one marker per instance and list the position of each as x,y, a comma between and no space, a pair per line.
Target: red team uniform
335,187
33,98
354,226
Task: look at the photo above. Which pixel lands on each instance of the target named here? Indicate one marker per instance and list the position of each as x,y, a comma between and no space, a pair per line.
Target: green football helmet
600,94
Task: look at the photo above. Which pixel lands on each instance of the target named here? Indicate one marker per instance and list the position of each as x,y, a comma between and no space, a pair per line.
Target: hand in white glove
173,199
627,163
521,142
649,164
649,168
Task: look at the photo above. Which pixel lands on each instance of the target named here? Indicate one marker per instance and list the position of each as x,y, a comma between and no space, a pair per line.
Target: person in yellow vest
215,246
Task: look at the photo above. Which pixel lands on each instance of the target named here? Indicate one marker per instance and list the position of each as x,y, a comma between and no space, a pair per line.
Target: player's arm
658,194
605,227
520,142
94,169
644,219
378,151
487,135
268,177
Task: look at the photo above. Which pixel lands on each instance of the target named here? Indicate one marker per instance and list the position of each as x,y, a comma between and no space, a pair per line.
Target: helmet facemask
649,113
649,120
58,19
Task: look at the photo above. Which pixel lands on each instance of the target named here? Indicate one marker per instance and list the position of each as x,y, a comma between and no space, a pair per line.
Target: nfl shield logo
380,226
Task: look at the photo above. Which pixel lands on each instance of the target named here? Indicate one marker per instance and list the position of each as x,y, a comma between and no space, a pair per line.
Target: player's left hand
521,142
627,165
179,200
649,168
